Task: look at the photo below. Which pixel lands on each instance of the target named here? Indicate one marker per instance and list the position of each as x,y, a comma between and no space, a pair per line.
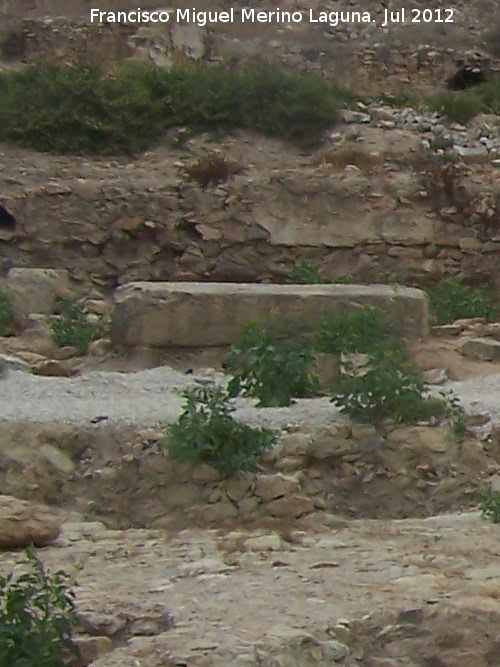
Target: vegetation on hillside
78,108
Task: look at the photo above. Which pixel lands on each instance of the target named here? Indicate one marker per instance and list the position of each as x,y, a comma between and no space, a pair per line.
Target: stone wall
122,476
115,223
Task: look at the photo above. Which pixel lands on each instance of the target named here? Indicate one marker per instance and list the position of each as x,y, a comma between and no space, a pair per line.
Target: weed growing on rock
74,328
489,504
452,300
6,315
37,617
207,432
272,362
305,273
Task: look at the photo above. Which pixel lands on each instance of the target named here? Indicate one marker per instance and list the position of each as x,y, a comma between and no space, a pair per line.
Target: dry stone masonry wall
313,476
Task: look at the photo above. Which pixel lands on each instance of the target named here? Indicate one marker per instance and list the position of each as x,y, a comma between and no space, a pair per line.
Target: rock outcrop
23,523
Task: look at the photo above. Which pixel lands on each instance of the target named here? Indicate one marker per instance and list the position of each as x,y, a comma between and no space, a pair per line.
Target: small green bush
458,106
489,504
37,617
388,387
73,327
489,93
357,332
6,315
78,108
272,362
206,432
452,300
305,273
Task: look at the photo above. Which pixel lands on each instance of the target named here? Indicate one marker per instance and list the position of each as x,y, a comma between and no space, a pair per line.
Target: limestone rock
58,460
23,523
325,445
295,444
173,314
90,649
447,329
53,368
8,362
436,375
270,487
99,348
35,291
291,506
293,646
485,349
270,542
472,154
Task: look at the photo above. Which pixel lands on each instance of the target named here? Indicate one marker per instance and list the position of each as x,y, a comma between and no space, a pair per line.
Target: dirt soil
359,593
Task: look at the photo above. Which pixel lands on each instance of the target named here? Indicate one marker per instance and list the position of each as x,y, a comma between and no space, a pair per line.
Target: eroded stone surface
23,523
204,598
212,314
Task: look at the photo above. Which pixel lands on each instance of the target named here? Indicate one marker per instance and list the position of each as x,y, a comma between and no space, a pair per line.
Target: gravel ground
148,397
480,394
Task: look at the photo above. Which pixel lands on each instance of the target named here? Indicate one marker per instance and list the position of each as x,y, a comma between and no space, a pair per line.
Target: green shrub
274,363
458,106
6,315
452,300
388,387
78,108
305,273
489,504
357,332
489,93
73,327
207,432
37,617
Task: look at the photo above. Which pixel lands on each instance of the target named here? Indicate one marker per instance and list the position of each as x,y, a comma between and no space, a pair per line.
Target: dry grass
340,157
214,169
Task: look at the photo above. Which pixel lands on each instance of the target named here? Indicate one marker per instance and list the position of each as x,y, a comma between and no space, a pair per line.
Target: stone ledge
191,314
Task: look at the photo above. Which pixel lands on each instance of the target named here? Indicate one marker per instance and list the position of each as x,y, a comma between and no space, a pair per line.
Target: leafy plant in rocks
206,431
489,504
386,387
74,328
377,380
273,362
305,272
37,617
451,300
361,331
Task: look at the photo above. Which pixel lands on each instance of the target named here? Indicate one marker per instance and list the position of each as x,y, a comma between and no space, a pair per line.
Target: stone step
191,314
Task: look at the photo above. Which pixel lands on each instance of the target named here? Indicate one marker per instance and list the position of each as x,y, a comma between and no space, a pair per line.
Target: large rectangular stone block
185,314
